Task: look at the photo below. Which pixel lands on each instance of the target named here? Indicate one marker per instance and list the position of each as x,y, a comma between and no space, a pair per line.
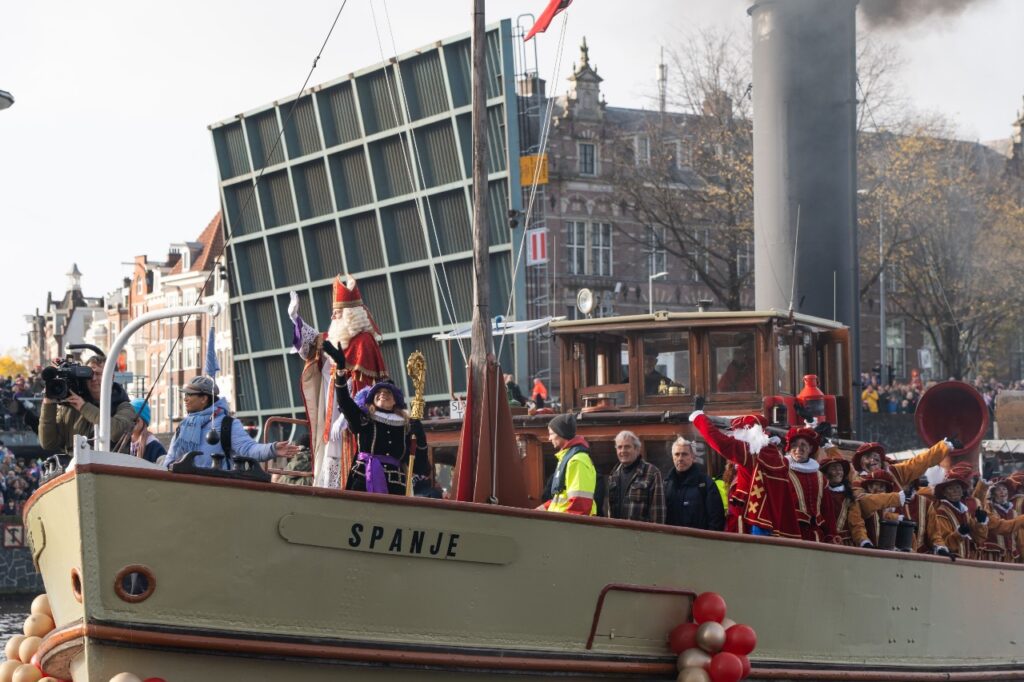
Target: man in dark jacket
691,497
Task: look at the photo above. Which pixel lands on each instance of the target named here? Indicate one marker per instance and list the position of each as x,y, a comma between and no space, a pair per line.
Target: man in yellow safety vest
575,479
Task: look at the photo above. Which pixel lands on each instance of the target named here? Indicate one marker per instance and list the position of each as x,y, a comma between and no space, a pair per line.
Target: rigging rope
447,298
542,148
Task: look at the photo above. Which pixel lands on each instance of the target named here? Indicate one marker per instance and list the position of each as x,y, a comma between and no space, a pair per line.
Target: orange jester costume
763,486
842,512
954,528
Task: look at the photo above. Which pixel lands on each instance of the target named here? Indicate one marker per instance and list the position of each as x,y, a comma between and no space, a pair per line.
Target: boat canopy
499,328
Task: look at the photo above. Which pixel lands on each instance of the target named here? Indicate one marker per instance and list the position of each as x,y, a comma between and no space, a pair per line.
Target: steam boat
207,576
212,575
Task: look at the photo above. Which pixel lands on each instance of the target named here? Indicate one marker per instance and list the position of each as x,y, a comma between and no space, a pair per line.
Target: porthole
134,583
76,585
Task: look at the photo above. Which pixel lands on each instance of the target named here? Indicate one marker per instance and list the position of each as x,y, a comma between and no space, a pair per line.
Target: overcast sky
106,155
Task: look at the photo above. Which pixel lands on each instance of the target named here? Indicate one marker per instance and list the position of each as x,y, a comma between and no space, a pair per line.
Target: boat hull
485,589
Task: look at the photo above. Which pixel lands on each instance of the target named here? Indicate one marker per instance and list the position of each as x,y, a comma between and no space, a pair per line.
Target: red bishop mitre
346,295
748,420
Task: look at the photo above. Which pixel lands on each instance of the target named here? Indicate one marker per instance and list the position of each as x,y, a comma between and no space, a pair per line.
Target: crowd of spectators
15,391
902,397
19,477
894,398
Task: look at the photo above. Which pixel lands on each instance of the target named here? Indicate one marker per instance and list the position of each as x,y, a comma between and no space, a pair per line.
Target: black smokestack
897,13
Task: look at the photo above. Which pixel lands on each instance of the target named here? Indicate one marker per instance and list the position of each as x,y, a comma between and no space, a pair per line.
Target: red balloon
746,666
740,640
682,637
708,606
725,667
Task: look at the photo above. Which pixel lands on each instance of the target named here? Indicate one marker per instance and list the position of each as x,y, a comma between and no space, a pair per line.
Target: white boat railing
213,309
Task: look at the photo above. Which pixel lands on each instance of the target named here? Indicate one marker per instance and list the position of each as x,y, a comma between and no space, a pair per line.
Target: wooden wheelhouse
641,372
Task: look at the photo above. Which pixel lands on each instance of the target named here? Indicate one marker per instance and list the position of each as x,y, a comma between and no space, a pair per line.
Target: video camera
68,376
64,378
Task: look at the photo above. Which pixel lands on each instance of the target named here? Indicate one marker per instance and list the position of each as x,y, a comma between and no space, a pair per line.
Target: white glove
903,500
338,427
293,306
774,440
949,444
695,414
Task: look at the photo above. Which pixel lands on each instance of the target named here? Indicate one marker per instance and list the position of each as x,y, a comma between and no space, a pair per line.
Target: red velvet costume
769,496
809,486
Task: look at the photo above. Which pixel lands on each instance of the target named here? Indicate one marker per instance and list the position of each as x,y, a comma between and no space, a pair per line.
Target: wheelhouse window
666,369
602,369
733,361
783,366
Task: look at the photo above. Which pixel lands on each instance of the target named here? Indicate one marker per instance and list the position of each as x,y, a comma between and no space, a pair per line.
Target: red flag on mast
553,8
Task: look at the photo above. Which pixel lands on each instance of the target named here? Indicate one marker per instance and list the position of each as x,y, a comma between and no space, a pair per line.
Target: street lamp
882,360
6,99
650,289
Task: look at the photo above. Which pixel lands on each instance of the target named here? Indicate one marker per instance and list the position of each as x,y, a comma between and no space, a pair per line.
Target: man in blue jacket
206,412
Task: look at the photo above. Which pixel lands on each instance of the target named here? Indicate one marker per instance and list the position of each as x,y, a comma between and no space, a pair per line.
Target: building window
744,259
191,350
656,256
643,150
896,349
576,245
588,158
589,247
601,249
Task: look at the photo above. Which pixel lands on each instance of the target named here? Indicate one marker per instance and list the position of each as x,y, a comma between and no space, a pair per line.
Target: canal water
13,612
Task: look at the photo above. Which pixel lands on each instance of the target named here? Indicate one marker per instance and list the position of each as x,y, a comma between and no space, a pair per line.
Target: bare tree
955,259
689,176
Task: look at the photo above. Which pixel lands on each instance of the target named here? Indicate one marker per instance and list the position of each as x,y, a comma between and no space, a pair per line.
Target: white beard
339,333
755,438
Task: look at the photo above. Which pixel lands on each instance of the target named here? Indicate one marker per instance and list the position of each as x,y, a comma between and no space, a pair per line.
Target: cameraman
61,421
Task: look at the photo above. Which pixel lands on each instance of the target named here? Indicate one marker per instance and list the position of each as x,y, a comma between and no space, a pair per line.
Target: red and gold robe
809,488
770,501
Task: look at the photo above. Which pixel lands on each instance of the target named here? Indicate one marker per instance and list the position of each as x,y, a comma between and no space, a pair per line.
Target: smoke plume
897,13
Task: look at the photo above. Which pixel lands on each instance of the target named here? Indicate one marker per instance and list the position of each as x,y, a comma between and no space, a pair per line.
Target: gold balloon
41,605
728,623
29,646
692,658
711,637
7,669
13,644
37,624
693,675
125,677
26,673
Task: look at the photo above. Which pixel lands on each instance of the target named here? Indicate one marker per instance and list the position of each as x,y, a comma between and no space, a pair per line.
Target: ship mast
480,341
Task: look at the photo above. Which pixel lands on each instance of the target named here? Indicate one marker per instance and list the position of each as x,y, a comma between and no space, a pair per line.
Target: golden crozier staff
416,367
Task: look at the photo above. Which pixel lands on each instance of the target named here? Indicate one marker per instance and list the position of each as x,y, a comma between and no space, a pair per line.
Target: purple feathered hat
365,396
